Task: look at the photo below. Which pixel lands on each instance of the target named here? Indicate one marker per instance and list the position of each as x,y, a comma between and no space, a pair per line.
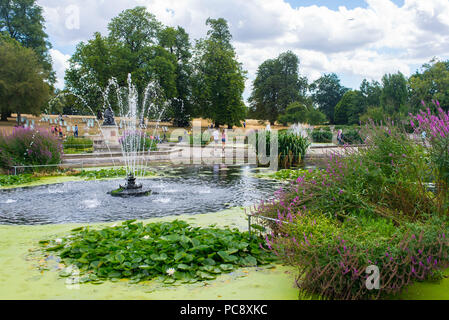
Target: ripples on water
188,190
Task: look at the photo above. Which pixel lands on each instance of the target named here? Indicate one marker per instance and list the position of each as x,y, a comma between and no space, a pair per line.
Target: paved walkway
185,154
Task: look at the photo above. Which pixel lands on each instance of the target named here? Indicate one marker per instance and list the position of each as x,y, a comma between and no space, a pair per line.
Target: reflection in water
186,190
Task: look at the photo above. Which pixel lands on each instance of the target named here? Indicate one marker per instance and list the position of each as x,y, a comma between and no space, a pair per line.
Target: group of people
57,131
216,135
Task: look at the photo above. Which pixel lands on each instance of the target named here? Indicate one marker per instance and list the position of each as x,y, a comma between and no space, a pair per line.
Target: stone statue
109,117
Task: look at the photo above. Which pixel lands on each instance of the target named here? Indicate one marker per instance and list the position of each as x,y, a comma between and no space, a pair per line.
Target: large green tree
277,85
371,92
432,83
394,94
326,93
23,86
177,42
23,21
219,79
350,108
131,47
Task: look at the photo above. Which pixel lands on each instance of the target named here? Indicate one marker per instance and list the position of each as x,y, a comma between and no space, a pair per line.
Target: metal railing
47,166
253,220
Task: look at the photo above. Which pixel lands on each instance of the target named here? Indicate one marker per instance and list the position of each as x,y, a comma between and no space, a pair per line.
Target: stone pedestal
109,139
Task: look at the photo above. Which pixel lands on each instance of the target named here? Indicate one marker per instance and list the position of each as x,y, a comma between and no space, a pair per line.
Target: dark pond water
186,190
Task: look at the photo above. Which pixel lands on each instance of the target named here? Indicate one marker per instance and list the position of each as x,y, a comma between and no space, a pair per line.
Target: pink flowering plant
368,206
25,147
434,130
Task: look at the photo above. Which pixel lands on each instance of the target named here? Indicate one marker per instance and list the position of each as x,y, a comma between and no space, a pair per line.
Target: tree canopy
326,93
219,79
23,88
431,84
131,47
349,109
394,93
22,20
277,85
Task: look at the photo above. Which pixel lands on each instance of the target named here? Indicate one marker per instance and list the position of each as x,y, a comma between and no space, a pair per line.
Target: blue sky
334,4
363,39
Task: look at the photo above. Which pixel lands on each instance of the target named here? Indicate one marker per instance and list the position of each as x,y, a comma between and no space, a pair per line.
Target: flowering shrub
436,128
370,207
29,147
332,259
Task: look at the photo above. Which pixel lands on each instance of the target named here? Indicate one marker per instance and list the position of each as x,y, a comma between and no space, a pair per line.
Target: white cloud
60,64
361,42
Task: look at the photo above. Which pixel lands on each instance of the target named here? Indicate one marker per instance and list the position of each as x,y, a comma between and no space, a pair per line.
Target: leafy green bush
107,173
77,143
169,250
295,113
321,136
371,207
28,147
333,258
436,127
291,147
352,136
204,138
10,180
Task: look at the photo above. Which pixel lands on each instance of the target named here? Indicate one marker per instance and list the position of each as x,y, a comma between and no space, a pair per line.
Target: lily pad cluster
170,251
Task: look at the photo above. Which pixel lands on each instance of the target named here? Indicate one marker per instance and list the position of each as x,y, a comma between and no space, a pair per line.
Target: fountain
129,137
133,142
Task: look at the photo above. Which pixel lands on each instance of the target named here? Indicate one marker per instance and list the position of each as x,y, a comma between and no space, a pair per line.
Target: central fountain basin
183,190
130,189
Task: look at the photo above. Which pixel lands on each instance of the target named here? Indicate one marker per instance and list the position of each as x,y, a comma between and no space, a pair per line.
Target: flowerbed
28,147
372,207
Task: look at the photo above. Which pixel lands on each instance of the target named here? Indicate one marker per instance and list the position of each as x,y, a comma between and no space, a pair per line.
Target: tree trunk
18,119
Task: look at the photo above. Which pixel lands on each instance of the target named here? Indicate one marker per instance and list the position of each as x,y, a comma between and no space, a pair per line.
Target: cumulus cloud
361,42
60,64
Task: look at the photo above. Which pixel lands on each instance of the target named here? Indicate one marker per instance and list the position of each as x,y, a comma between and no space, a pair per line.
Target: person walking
53,130
339,137
76,131
60,132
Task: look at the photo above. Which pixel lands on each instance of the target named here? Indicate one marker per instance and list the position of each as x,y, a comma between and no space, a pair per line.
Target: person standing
244,124
76,131
223,141
60,132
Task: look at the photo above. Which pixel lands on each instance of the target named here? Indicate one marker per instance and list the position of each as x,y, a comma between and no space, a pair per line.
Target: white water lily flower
146,237
114,225
170,271
58,241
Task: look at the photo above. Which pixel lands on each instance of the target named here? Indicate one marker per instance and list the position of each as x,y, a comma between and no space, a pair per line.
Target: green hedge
77,143
322,136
